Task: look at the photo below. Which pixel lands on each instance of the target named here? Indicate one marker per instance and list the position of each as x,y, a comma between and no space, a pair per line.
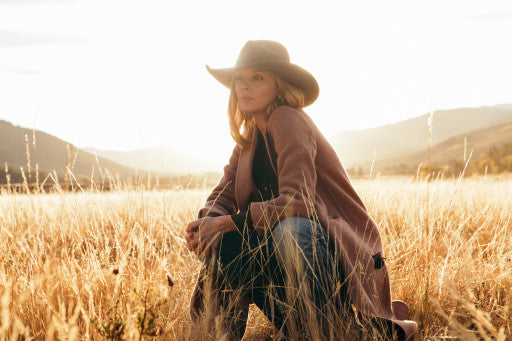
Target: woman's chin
251,111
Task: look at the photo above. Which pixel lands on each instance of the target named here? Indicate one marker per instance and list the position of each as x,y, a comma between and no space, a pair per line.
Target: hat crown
273,57
257,51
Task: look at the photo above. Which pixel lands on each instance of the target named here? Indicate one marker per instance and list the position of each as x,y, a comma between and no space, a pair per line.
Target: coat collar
244,184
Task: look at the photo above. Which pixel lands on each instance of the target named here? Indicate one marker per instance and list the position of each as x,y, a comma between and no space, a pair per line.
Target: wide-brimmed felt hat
270,56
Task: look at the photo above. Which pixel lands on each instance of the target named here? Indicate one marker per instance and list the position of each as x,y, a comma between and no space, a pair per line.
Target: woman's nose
243,84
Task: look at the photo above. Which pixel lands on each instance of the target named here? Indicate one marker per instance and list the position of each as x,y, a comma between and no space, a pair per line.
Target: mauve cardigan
312,181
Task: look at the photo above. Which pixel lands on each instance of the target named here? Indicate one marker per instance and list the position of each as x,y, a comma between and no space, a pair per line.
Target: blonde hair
242,126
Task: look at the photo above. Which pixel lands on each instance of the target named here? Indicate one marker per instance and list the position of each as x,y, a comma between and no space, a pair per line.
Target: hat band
264,61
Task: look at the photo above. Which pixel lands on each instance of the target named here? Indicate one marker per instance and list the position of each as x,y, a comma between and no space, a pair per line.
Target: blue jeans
291,274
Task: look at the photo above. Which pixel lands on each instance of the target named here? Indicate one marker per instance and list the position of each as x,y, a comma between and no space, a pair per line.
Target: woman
284,228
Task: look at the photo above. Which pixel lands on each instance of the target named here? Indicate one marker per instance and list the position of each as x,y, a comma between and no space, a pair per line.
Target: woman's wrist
227,224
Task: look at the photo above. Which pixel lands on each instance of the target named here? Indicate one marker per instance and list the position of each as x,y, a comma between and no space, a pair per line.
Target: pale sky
126,74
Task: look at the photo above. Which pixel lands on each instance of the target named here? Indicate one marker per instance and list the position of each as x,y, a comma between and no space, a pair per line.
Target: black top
265,180
263,174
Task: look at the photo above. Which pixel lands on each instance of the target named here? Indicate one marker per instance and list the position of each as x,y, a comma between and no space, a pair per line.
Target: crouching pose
284,228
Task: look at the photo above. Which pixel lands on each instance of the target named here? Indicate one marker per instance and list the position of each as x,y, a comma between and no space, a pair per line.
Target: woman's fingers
192,239
191,244
190,226
196,244
203,235
210,247
203,247
194,226
189,236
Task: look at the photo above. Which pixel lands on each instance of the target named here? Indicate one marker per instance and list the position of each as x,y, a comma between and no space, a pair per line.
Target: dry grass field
114,265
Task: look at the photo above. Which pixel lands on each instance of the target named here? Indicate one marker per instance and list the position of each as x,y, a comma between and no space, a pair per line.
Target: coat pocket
378,260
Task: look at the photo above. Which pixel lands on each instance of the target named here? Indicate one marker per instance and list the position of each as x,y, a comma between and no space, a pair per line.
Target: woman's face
255,90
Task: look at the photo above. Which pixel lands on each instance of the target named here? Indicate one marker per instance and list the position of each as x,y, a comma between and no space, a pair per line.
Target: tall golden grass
114,265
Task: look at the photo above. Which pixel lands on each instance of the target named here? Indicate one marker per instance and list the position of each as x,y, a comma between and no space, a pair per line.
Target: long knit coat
312,181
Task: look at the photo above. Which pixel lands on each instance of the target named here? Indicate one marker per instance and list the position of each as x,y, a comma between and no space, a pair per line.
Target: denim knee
296,235
300,230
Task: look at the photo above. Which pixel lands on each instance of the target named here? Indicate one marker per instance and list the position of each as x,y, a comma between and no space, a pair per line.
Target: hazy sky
130,73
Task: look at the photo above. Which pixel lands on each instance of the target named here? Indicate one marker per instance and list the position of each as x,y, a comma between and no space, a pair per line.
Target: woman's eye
258,77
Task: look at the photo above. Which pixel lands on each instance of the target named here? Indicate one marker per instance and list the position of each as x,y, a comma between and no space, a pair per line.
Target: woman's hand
203,235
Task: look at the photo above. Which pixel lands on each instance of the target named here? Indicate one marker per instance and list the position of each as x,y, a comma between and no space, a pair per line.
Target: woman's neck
261,122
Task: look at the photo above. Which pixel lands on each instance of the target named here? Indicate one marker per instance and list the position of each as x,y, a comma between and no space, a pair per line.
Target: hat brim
291,73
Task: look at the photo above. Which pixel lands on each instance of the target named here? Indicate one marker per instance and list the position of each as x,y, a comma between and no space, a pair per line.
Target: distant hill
447,153
49,153
410,136
156,159
477,142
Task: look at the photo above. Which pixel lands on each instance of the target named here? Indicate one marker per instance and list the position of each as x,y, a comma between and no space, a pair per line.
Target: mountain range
458,148
34,150
407,137
455,132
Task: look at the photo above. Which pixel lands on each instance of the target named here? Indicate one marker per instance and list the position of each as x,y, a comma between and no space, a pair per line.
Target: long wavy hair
242,125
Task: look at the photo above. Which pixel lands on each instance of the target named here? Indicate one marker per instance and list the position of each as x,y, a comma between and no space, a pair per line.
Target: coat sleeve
295,145
222,199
